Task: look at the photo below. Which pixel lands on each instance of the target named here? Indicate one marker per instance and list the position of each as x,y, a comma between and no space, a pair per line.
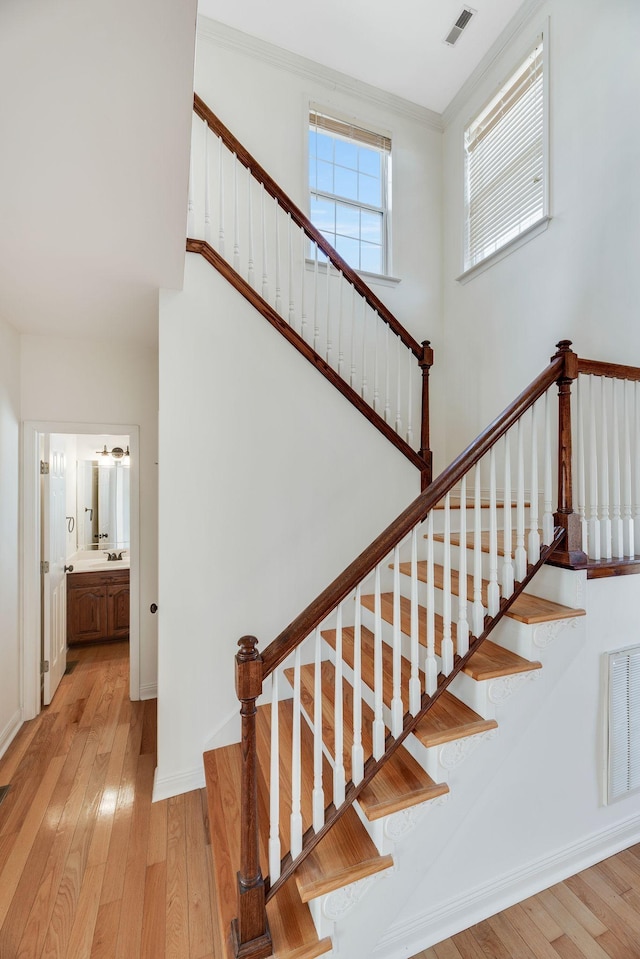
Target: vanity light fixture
117,453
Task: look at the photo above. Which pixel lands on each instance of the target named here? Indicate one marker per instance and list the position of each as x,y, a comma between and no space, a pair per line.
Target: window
349,172
505,163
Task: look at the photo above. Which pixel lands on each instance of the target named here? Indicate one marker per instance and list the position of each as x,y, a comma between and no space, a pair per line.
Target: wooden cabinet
97,606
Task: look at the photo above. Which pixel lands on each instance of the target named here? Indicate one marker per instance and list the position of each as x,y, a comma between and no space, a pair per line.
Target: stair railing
607,473
247,227
504,478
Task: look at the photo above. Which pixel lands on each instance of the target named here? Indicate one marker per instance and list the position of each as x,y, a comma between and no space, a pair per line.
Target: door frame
31,526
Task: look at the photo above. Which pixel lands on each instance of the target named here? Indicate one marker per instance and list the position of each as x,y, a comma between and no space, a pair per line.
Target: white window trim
541,225
387,278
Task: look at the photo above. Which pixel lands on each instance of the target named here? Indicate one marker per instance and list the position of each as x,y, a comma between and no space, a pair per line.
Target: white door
54,585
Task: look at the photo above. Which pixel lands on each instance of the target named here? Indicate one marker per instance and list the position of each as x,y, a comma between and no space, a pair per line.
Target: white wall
10,697
263,94
270,485
111,382
527,809
578,280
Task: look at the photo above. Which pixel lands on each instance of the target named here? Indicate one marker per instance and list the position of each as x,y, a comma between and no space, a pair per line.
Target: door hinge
44,566
44,666
44,468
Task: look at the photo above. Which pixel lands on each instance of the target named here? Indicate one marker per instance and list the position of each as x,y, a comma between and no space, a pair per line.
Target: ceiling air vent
459,25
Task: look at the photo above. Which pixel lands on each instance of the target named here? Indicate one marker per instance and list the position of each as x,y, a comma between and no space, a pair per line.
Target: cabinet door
118,611
86,614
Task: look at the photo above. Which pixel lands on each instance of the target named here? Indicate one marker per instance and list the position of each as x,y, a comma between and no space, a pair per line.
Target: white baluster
318,792
547,516
278,303
340,331
328,323
594,522
338,720
617,531
221,156
191,208
274,785
207,186
364,350
387,360
352,377
605,518
411,360
582,473
316,328
478,607
251,261
520,553
463,624
628,537
303,298
378,721
265,275
534,533
636,459
292,312
507,535
376,366
357,753
236,218
414,683
296,764
493,589
430,665
398,388
446,649
397,708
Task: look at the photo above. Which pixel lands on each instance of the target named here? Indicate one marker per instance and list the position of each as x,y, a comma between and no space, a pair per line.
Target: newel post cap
248,669
427,354
570,371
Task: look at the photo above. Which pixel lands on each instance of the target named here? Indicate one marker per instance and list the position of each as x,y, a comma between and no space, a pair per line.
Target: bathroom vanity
97,605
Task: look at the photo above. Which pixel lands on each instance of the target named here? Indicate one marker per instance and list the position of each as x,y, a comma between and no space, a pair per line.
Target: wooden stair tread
367,658
293,933
346,853
450,719
526,608
401,782
485,545
489,662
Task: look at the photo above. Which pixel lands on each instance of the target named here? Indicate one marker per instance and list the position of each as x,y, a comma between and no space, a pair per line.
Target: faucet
114,556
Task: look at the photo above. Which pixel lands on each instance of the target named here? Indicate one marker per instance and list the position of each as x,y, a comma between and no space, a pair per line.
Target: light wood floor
90,869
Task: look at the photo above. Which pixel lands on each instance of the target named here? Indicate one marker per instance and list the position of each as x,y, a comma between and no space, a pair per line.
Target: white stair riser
454,515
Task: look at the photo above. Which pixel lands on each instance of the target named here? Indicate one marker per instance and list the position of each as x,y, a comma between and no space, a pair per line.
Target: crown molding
517,23
232,39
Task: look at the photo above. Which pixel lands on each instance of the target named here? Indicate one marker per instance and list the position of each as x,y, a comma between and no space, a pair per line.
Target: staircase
355,717
327,887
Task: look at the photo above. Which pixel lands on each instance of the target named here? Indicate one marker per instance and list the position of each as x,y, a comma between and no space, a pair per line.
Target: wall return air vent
459,25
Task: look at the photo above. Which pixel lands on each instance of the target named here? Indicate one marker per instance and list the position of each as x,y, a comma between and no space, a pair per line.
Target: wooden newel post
250,931
426,362
571,553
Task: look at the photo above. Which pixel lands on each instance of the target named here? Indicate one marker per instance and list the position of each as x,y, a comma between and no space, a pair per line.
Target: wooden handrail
298,217
615,371
260,304
341,587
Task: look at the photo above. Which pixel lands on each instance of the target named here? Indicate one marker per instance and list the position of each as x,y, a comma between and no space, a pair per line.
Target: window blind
320,121
624,723
504,161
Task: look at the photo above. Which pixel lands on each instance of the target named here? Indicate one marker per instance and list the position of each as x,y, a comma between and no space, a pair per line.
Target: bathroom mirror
102,505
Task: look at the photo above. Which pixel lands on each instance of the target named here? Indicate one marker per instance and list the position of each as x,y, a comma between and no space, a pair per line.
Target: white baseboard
10,731
409,936
164,787
150,691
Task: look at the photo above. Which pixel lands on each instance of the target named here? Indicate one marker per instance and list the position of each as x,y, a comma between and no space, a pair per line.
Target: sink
85,565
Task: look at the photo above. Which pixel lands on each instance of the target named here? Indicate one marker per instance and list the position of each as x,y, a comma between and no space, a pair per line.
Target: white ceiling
95,114
397,46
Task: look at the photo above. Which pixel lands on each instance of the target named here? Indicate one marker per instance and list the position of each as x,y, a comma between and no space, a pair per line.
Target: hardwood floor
91,869
594,915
